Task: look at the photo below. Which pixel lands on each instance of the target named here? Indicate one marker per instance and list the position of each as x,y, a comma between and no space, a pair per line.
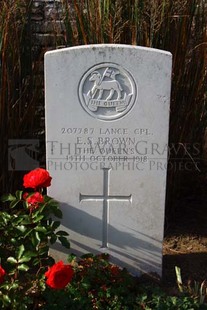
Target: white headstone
107,117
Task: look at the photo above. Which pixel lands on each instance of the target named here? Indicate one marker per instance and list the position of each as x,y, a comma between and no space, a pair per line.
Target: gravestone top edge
109,46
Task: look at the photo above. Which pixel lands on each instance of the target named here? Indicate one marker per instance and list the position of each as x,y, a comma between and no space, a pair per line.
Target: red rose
34,199
115,270
59,275
2,274
37,178
25,195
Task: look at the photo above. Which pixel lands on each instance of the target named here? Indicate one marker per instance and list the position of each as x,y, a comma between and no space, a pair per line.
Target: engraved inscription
106,198
107,91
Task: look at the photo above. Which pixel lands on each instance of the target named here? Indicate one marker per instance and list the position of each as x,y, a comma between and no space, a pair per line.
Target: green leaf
5,217
23,267
53,206
12,260
62,233
12,271
35,238
28,232
17,220
30,254
58,213
7,197
6,299
55,225
21,250
24,259
14,286
44,250
53,239
64,241
26,220
36,261
86,285
22,228
48,199
41,229
71,257
37,218
40,209
14,203
19,194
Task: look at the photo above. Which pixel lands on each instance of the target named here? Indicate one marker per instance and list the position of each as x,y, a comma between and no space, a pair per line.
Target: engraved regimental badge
107,91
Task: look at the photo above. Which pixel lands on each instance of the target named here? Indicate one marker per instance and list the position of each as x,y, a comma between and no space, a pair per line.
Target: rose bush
30,278
59,275
27,228
37,178
34,200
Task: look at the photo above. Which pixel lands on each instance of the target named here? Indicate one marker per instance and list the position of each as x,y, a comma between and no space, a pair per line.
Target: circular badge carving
107,91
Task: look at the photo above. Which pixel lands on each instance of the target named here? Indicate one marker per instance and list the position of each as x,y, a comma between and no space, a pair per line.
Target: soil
185,243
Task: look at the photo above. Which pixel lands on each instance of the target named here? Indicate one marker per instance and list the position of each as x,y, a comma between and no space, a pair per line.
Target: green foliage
100,284
153,298
28,226
194,288
97,284
24,244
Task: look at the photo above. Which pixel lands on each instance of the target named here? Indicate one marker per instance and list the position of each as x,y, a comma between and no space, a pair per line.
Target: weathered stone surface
107,115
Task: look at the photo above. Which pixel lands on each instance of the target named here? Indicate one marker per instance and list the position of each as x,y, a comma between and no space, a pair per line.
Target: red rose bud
34,200
37,178
2,274
59,275
25,195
